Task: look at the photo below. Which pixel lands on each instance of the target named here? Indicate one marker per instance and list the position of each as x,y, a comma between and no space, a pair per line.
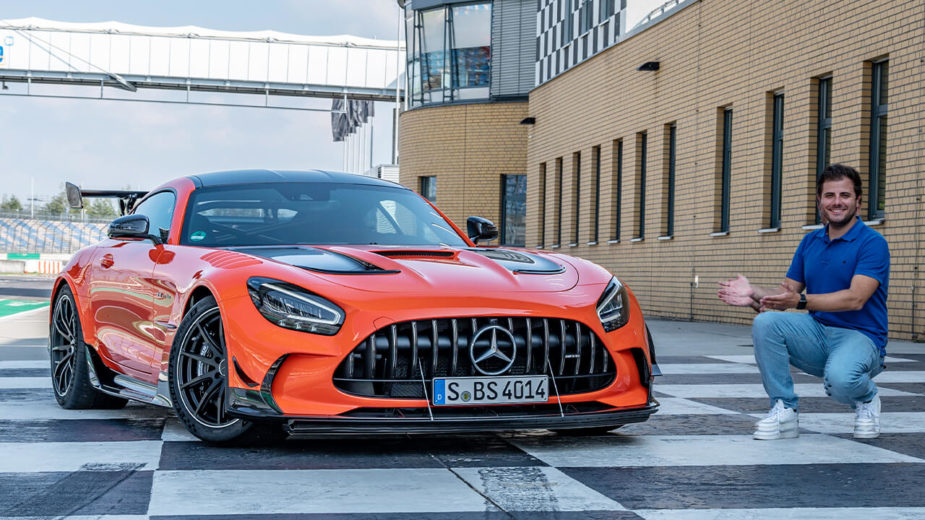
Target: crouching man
845,269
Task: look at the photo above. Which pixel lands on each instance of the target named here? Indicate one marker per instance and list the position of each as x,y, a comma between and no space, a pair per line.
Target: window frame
605,9
596,211
642,143
725,170
585,17
559,183
423,183
877,160
576,196
503,238
542,206
777,159
617,189
823,129
670,188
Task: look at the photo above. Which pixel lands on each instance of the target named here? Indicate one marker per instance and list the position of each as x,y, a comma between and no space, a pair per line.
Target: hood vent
416,254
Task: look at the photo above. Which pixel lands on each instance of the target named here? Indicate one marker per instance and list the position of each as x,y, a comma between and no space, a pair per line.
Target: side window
159,210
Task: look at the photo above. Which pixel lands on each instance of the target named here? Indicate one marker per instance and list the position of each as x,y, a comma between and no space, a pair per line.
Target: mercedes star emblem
481,355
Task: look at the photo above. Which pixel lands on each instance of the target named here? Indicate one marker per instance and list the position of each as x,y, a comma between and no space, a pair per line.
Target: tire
198,377
70,373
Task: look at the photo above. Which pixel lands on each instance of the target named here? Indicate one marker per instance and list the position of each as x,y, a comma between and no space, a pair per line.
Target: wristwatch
802,304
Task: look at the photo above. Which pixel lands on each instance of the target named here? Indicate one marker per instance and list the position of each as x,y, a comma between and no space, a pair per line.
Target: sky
100,144
112,144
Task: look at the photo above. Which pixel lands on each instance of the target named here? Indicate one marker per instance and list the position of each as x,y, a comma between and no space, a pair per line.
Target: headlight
293,307
613,307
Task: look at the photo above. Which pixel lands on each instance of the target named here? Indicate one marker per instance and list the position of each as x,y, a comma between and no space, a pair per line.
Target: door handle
107,261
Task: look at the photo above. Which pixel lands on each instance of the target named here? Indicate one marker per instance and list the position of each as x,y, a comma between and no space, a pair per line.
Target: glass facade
449,53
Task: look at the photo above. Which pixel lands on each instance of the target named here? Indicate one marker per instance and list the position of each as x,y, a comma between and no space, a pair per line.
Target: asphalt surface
25,287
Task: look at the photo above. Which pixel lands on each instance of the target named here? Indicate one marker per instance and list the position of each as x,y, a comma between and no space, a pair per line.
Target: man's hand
787,298
736,291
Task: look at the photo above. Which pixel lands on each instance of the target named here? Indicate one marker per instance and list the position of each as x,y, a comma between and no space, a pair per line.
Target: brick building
685,150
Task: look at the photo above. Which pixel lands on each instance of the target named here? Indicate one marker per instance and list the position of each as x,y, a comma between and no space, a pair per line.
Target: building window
513,210
606,8
617,193
641,144
449,53
596,195
586,16
878,125
542,205
429,188
567,24
823,127
576,194
558,201
777,158
671,134
725,170
431,42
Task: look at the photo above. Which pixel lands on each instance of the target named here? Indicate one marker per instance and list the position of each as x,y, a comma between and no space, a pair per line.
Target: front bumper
453,420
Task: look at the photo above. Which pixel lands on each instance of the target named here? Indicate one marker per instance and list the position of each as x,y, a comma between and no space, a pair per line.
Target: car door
123,293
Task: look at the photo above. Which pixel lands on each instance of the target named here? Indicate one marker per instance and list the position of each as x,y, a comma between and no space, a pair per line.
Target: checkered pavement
695,459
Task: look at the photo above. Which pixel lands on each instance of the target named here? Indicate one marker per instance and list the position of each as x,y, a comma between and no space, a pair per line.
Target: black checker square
762,486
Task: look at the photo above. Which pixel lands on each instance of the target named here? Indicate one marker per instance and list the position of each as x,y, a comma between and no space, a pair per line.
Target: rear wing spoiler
126,198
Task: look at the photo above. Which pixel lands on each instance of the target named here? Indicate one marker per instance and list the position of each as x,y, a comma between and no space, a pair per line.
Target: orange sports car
308,302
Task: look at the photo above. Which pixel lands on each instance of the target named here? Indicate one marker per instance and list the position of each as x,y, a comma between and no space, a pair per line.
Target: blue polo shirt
827,266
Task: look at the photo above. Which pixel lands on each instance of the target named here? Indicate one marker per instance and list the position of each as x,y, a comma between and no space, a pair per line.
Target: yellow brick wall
468,148
712,54
734,53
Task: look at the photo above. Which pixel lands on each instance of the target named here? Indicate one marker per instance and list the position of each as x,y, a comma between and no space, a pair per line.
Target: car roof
233,177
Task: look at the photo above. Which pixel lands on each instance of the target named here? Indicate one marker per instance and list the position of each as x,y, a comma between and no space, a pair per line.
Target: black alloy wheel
70,371
63,344
198,374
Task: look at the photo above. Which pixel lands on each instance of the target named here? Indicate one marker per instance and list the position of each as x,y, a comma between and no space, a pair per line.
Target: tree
101,208
57,205
10,203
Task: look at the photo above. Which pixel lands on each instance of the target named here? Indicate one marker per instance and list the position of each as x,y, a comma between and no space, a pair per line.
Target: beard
845,220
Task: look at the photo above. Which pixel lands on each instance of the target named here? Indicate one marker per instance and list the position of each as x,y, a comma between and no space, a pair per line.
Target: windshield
312,213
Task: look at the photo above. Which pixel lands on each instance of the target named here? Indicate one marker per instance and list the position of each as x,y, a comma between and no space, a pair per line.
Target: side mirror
479,228
74,200
132,226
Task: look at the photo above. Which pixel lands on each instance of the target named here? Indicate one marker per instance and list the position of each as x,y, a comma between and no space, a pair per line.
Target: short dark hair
834,172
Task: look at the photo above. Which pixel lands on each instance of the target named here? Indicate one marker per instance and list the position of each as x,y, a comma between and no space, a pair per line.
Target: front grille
394,361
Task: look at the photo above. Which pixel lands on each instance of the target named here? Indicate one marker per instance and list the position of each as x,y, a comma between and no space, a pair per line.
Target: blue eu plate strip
439,391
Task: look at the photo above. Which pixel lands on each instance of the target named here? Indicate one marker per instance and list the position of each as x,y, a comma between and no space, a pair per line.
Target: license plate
490,390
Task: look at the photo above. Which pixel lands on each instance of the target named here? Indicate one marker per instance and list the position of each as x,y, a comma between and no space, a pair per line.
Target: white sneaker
867,420
780,423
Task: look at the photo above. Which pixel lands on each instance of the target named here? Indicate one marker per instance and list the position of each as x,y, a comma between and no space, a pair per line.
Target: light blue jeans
846,359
